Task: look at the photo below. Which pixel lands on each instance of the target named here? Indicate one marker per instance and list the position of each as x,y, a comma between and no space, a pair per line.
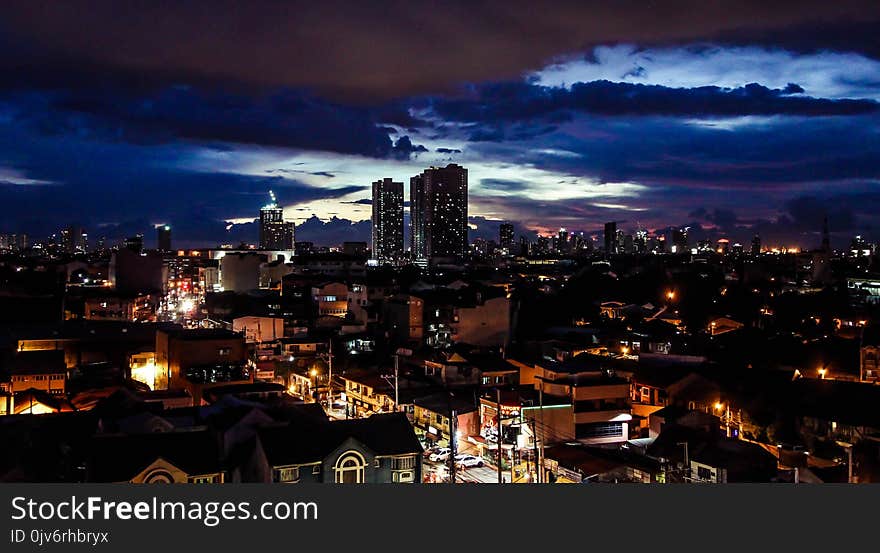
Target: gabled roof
456,358
119,458
709,448
26,399
303,442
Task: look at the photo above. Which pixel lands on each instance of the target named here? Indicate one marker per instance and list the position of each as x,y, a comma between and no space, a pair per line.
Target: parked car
441,454
468,461
431,448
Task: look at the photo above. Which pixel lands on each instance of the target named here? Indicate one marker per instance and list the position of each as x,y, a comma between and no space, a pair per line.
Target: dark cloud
288,119
333,46
670,153
333,232
510,102
108,184
808,212
722,218
448,151
404,148
847,35
327,174
505,184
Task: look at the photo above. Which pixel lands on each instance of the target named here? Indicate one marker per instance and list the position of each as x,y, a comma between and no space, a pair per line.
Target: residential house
201,358
44,370
573,463
601,400
432,417
693,454
380,449
368,392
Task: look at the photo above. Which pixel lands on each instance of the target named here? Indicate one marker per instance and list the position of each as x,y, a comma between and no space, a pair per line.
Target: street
438,472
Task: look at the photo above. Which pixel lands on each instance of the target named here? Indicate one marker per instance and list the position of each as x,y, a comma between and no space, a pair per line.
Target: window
599,430
704,473
202,480
439,418
403,463
403,476
350,468
287,474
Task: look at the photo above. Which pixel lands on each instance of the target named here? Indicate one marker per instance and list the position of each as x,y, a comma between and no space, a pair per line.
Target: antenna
272,195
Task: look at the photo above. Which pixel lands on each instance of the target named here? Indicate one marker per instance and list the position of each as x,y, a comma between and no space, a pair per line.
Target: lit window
288,474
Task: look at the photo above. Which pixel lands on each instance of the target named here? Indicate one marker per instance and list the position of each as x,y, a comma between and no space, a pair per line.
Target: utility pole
498,442
849,465
397,354
537,456
541,476
330,376
396,394
687,462
453,445
861,355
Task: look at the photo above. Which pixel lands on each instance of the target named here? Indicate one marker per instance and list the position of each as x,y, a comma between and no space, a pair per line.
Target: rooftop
38,362
190,334
310,441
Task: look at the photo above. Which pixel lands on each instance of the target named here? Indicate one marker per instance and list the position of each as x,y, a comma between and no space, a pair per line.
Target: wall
240,272
484,325
259,329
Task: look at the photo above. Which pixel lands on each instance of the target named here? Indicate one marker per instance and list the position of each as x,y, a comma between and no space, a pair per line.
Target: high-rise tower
445,211
387,231
275,232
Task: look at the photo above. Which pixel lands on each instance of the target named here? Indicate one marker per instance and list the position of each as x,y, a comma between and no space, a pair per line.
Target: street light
313,373
670,295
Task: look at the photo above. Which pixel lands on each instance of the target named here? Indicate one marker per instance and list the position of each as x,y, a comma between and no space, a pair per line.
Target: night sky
761,117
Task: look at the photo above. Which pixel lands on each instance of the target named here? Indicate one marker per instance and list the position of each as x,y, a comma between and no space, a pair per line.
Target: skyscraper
505,236
826,236
134,243
610,238
822,258
163,238
417,217
74,239
387,220
641,241
275,232
756,246
562,241
680,240
439,212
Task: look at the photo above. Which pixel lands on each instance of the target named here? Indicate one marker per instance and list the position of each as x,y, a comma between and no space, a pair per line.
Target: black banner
413,517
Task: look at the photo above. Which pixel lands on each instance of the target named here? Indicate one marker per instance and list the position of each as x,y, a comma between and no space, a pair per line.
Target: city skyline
730,127
399,243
